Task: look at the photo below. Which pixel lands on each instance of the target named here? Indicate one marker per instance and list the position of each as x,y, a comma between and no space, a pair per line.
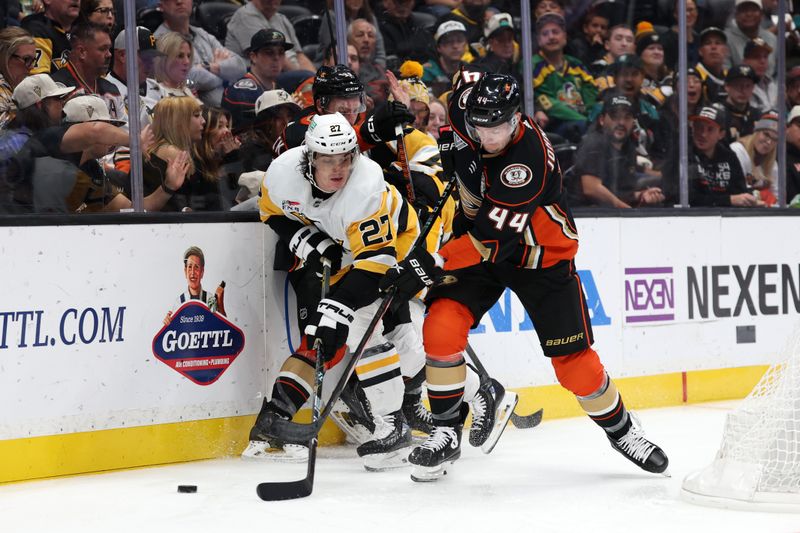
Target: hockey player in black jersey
520,234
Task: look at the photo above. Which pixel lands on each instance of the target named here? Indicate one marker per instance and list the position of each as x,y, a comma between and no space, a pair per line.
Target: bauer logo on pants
198,343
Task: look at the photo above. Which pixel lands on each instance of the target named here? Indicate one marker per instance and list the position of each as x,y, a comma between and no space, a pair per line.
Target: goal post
757,466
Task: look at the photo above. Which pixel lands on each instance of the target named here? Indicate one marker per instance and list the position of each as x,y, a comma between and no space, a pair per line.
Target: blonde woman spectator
17,56
757,154
178,129
172,69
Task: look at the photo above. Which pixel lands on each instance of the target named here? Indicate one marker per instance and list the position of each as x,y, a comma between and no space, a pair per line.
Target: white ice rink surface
559,477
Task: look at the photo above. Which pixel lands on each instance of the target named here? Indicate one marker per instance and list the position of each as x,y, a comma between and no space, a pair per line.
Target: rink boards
684,309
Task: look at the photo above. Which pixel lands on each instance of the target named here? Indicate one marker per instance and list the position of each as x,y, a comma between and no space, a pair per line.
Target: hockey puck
187,488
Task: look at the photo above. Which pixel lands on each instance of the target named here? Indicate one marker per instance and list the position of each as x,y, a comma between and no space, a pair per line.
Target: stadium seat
210,16
150,18
426,20
307,29
293,12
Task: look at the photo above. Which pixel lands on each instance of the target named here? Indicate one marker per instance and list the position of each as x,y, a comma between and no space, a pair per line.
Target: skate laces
634,442
384,425
442,436
479,407
421,413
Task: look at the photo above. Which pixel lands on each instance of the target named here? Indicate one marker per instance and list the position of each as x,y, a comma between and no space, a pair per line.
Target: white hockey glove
311,245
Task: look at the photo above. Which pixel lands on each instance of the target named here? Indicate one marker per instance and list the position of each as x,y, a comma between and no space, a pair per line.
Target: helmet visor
499,133
349,106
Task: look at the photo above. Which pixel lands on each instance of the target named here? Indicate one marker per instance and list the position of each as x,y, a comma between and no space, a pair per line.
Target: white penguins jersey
361,216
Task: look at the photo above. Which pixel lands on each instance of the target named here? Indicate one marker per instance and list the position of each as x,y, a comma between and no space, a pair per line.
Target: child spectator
589,45
438,117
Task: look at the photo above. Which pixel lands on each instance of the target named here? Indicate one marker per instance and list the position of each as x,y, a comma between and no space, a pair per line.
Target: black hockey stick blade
274,491
528,421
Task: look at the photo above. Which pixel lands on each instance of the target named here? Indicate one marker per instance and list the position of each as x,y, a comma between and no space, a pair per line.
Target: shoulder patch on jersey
288,206
462,100
245,83
516,175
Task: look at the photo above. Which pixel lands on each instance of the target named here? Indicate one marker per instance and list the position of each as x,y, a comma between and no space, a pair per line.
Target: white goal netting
758,463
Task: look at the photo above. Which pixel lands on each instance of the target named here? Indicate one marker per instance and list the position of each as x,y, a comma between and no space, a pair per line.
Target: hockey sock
293,386
446,388
380,377
606,409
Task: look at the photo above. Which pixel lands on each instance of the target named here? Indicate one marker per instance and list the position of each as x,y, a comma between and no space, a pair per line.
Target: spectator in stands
620,42
145,62
451,44
499,43
565,91
17,56
88,63
414,93
589,45
263,14
178,130
746,25
715,175
713,56
353,9
220,158
99,12
650,50
212,63
50,29
172,68
765,93
266,53
741,116
669,111
438,117
793,87
757,155
670,38
402,37
471,14
793,155
606,159
438,8
273,111
362,34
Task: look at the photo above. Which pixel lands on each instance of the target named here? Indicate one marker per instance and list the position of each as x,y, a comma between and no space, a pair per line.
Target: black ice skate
264,444
491,411
352,413
442,448
418,416
390,444
640,451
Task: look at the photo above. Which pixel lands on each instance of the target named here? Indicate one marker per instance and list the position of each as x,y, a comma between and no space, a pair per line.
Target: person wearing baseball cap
451,50
746,26
739,85
498,39
606,163
793,157
146,53
713,53
266,53
40,90
756,55
715,175
564,89
273,110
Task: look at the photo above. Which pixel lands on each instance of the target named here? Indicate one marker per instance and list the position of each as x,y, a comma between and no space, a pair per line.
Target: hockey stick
402,155
294,432
519,421
290,490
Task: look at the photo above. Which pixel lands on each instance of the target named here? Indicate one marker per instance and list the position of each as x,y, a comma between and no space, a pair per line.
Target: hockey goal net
758,463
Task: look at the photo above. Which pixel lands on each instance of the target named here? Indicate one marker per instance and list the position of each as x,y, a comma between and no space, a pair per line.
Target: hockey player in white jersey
327,201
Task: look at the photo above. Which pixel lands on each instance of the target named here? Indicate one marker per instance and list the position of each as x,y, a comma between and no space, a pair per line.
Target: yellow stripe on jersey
372,240
44,55
266,207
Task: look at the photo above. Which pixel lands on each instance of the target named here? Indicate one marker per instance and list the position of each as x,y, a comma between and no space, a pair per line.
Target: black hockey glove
380,126
311,245
411,275
425,191
331,326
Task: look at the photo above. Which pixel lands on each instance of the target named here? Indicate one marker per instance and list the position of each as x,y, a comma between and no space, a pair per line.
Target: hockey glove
447,150
411,275
311,245
425,191
380,126
331,327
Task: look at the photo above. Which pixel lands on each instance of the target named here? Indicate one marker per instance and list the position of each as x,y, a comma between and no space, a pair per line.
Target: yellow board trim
114,449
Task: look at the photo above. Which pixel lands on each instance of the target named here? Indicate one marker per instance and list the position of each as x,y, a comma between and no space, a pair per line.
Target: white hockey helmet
331,134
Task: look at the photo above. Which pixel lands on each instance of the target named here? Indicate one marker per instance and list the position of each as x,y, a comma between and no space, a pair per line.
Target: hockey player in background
521,235
329,202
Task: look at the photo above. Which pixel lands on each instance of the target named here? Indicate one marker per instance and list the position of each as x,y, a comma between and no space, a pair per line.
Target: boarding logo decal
197,339
516,175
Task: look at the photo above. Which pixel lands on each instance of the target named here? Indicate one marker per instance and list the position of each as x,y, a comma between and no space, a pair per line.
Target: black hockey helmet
493,100
337,80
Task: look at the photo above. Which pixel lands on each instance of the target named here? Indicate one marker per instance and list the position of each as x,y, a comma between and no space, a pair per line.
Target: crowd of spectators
219,81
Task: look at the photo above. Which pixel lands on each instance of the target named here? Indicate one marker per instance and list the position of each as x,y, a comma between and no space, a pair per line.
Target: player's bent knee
581,373
445,330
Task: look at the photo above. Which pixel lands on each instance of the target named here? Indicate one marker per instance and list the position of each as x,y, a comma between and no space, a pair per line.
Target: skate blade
260,451
427,474
380,462
502,416
354,433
